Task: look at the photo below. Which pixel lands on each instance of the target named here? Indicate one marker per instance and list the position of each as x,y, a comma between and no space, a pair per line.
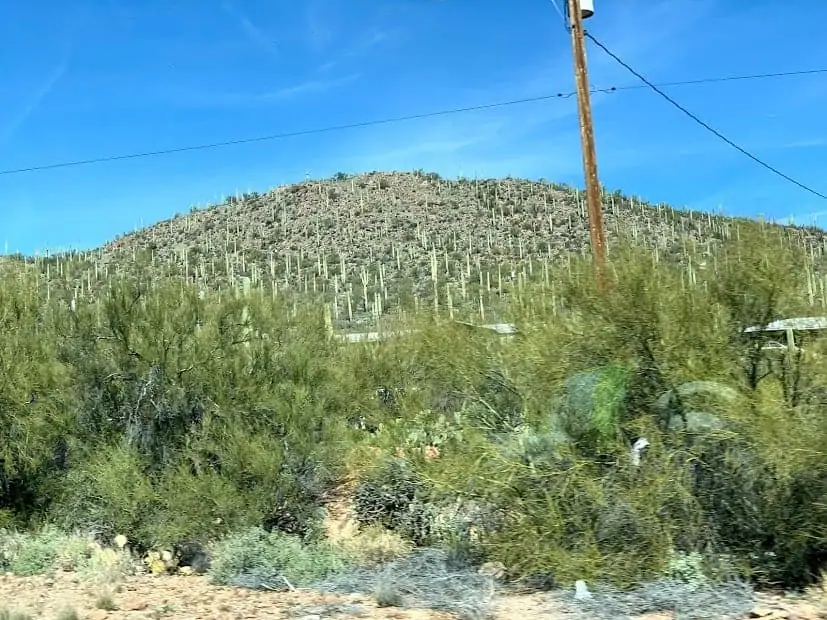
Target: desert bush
131,360
116,492
106,602
68,613
107,566
396,497
9,614
166,413
767,512
108,494
584,520
570,486
374,544
46,551
35,399
425,578
258,559
385,497
181,399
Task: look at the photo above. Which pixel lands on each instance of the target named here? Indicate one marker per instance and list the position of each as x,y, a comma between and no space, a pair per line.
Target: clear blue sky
91,78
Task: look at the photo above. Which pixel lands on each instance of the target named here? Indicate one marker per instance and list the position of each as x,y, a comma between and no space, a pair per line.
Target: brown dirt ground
174,597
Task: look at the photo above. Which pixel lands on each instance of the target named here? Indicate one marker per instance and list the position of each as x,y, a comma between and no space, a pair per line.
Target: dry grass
13,614
364,545
68,613
375,545
106,602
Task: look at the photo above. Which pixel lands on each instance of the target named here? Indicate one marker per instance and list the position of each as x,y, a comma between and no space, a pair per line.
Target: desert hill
370,241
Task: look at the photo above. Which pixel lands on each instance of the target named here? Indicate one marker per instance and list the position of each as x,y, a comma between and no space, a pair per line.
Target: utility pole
577,11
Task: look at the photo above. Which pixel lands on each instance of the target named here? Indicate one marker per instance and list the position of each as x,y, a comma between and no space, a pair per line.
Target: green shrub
110,494
200,507
145,408
384,496
68,613
107,566
42,552
213,490
586,521
256,559
394,497
8,614
770,517
106,602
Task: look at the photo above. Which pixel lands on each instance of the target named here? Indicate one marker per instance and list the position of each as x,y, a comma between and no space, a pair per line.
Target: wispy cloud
320,25
390,144
255,34
399,156
760,147
467,145
314,87
359,48
547,131
34,100
194,98
807,143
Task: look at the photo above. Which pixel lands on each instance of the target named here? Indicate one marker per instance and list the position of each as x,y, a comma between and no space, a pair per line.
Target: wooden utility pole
593,198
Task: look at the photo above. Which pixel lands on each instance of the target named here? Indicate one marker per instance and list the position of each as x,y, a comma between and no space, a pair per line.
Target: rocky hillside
372,216
367,242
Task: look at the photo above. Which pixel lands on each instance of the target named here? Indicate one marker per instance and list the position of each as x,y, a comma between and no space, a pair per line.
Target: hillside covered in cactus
370,243
180,388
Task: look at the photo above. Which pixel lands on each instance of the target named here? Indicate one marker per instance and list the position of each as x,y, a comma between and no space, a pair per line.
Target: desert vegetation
371,244
186,396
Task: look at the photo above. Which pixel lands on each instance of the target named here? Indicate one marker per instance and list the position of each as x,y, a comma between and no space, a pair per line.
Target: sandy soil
178,597
175,596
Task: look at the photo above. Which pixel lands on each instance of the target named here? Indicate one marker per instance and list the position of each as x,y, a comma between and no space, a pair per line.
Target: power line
397,119
282,136
717,133
731,78
561,13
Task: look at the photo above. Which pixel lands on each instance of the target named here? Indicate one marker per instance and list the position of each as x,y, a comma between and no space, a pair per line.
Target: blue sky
92,78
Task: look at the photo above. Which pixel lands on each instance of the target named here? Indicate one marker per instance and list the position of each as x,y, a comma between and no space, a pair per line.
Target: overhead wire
700,122
656,89
390,120
561,12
